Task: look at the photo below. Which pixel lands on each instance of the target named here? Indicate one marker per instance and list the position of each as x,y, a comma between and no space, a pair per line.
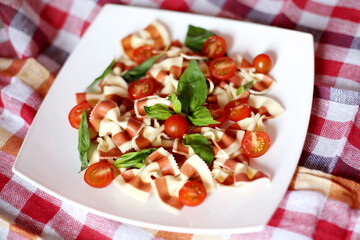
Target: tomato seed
147,88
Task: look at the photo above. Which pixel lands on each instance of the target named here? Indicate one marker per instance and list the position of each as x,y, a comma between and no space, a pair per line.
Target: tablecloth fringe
14,230
331,186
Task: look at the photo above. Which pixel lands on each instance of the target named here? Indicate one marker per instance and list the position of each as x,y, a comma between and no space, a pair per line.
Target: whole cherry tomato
176,126
262,63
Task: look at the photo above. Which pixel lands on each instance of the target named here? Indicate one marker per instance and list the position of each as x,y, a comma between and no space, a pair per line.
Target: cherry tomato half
262,63
214,47
217,113
141,88
255,144
176,126
76,114
192,193
99,175
237,110
143,53
222,68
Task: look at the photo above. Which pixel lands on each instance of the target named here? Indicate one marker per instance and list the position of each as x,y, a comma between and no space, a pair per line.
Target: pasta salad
178,120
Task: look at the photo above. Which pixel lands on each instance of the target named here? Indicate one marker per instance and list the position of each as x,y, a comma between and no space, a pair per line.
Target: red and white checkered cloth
323,200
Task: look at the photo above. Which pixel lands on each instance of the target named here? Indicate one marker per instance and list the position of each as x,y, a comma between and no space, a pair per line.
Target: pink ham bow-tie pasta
124,118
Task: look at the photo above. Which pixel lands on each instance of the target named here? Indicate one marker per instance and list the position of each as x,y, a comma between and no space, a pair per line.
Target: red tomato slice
255,144
262,63
143,53
217,113
141,88
176,126
192,193
222,68
99,175
76,114
214,47
237,110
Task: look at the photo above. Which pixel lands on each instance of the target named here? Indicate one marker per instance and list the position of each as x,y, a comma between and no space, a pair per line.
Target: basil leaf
139,71
84,141
201,117
201,146
158,111
176,103
244,88
196,37
192,88
106,72
133,159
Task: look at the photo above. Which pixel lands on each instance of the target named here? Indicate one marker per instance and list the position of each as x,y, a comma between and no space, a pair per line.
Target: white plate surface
49,158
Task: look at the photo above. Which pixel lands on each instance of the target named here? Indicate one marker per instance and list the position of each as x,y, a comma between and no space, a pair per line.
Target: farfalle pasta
175,121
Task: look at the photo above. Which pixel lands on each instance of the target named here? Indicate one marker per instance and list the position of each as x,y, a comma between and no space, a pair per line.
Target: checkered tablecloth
323,200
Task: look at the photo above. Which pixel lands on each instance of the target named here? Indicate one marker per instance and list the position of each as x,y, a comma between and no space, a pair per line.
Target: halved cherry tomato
192,193
262,63
222,68
141,88
176,126
76,112
214,47
99,175
217,113
143,53
255,144
237,110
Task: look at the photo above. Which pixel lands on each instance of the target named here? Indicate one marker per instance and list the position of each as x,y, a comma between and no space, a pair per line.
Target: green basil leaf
137,163
192,88
84,141
196,37
158,111
176,103
244,88
133,159
201,117
201,147
103,75
139,71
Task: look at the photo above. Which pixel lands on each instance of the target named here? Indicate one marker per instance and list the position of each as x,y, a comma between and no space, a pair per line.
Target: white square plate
49,158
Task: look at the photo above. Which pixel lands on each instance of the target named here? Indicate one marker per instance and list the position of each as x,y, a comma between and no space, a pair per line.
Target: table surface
323,199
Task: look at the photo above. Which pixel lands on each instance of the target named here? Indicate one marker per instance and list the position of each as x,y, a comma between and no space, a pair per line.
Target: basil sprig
192,88
192,94
133,159
84,141
244,88
158,111
196,37
139,71
176,103
201,117
103,75
201,146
